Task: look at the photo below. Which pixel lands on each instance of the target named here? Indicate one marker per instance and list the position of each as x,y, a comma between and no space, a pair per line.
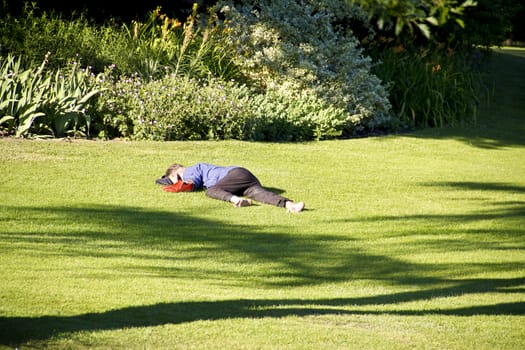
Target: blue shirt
205,175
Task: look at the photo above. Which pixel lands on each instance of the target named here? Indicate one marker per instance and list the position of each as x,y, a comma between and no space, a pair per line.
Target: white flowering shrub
297,47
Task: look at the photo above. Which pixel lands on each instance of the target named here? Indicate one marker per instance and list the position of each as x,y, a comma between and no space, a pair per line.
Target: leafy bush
188,101
21,94
412,14
293,117
434,80
176,108
297,46
490,22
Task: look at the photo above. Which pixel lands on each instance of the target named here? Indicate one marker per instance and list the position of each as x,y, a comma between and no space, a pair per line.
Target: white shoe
243,203
294,207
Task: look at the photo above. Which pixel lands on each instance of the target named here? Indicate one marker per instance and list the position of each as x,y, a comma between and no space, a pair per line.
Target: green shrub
293,117
173,108
21,95
289,71
490,22
434,81
187,102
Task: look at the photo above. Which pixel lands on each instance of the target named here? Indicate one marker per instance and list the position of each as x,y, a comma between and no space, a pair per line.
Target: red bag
178,186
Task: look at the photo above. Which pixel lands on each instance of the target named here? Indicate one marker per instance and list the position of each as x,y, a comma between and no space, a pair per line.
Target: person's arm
192,175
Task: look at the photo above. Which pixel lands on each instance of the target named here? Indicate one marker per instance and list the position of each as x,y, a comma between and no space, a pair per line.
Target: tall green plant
68,100
40,102
431,87
193,48
21,93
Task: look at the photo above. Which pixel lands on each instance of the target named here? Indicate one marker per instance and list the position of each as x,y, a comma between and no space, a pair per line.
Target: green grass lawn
413,241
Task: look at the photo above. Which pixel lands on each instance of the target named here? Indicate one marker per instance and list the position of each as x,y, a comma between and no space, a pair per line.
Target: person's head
174,172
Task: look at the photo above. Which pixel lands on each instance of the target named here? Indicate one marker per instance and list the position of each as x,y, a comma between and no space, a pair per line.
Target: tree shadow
297,260
494,209
479,186
462,231
17,330
293,260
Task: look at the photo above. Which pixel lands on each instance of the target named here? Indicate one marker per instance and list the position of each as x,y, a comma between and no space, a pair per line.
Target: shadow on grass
499,209
481,186
15,330
280,260
511,215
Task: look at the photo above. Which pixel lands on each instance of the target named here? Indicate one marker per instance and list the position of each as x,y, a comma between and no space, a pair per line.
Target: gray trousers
241,182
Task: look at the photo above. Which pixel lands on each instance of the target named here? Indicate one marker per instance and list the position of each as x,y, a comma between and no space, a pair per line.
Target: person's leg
241,181
234,183
254,190
260,194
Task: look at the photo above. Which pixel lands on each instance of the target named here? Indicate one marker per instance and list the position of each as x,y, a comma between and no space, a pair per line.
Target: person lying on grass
227,183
